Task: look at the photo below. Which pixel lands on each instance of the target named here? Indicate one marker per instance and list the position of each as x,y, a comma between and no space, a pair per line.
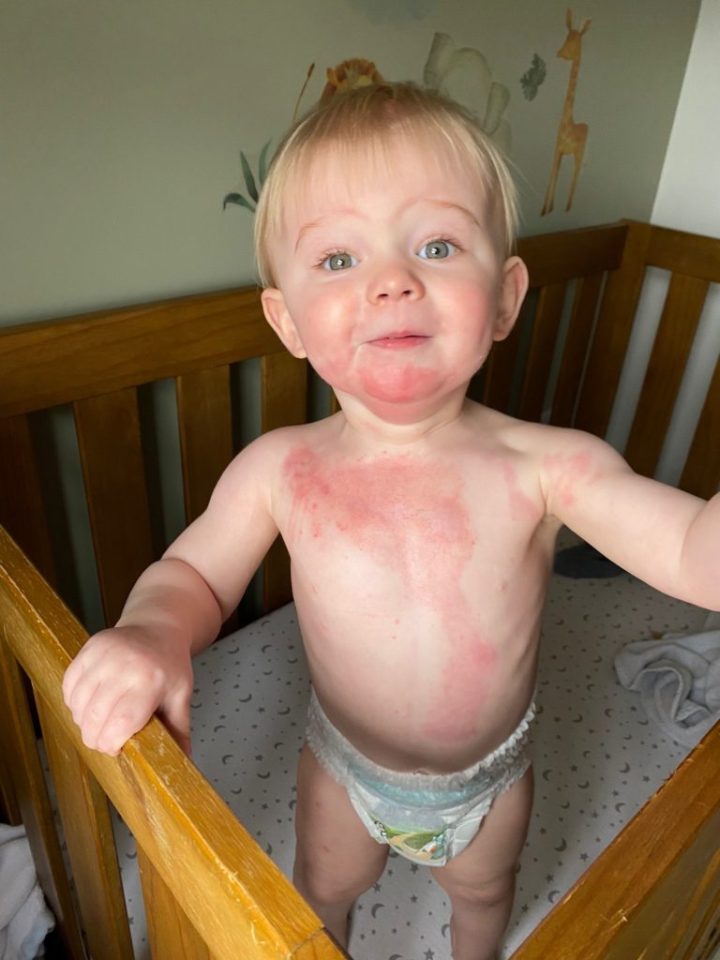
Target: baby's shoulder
538,443
269,453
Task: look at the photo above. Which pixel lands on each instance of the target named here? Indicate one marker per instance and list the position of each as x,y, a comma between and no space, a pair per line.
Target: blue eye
436,250
339,261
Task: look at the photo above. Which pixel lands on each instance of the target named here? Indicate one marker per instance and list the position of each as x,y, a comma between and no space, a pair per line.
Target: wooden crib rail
606,267
96,363
655,891
210,891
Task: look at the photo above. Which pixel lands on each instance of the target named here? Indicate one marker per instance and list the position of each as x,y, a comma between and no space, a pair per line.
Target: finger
176,717
129,714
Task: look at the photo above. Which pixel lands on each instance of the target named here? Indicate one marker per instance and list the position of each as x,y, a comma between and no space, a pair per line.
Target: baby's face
389,278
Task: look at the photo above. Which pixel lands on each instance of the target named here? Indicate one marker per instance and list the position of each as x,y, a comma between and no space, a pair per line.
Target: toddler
421,525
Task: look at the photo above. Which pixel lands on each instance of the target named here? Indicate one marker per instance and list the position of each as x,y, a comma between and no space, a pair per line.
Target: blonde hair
362,118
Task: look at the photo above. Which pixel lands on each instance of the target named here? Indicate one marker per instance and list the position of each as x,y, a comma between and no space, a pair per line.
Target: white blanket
678,679
25,921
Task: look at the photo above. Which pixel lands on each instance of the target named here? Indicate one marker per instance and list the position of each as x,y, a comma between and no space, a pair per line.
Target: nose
395,281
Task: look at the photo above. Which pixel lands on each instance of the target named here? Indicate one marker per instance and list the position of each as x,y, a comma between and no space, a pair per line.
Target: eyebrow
445,204
314,224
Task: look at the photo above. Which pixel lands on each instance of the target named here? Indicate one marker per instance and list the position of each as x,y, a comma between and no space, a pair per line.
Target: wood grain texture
283,402
198,848
579,336
88,832
22,508
205,424
638,899
701,475
612,333
675,336
558,257
542,349
61,360
108,432
170,934
30,789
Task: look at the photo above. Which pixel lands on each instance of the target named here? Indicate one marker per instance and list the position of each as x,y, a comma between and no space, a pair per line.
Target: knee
488,893
327,883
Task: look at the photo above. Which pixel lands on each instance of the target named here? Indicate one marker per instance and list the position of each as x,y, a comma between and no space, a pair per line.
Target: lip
400,341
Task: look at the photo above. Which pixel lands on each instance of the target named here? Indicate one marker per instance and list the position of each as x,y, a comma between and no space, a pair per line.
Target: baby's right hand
120,678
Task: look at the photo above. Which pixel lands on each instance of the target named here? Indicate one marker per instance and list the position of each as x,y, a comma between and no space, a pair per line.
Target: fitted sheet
597,758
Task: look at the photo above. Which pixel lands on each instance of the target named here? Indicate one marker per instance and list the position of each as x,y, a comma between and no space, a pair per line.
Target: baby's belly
418,687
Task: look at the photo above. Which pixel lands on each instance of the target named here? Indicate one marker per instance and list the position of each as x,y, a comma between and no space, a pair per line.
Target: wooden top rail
58,361
199,849
572,254
647,892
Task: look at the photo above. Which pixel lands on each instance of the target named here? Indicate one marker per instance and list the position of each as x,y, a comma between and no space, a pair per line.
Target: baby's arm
124,674
668,538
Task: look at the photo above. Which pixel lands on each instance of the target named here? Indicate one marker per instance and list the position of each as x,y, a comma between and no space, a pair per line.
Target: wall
122,121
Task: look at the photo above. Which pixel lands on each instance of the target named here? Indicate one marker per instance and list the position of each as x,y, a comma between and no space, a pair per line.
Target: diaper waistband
339,756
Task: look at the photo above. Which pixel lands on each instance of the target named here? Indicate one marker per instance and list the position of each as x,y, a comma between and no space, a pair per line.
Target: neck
400,425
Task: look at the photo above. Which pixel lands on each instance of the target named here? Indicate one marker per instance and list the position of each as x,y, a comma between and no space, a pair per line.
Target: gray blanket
678,679
24,918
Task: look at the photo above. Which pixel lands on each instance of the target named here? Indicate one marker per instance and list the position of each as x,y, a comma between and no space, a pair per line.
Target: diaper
427,818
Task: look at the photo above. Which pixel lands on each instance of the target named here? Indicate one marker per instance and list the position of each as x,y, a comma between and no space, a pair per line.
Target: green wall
121,121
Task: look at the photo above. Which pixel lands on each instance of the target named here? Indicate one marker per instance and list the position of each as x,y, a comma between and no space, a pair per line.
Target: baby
421,525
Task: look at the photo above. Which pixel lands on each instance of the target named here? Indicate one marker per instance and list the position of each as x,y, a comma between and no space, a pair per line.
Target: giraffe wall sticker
571,136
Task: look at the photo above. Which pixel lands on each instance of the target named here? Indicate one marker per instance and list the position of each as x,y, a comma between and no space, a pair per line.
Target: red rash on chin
399,384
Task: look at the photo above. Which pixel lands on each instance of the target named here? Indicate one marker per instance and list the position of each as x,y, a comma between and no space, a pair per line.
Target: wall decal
571,136
463,74
533,78
348,75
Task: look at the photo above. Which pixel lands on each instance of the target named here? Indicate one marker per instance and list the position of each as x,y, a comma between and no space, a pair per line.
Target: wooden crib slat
184,827
612,333
688,253
283,403
640,892
59,361
542,348
587,294
500,369
283,391
116,493
205,424
680,316
21,754
701,475
170,934
88,831
22,508
557,257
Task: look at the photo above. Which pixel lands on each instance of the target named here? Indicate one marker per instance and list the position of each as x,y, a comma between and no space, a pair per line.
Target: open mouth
400,341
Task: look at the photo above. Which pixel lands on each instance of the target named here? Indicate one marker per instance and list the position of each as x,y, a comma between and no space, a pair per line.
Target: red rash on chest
395,508
409,516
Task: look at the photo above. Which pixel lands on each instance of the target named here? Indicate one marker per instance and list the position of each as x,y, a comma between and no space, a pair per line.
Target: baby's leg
480,881
336,859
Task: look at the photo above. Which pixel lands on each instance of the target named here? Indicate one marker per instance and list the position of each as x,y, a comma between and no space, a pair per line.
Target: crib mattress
597,758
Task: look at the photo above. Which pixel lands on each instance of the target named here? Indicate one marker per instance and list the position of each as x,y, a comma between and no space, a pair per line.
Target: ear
278,316
515,282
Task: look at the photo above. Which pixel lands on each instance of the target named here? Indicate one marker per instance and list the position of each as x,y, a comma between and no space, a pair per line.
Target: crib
209,889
